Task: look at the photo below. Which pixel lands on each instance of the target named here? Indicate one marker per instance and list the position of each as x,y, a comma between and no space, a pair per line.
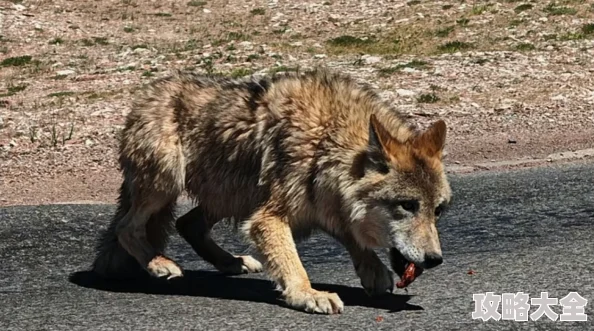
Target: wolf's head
402,191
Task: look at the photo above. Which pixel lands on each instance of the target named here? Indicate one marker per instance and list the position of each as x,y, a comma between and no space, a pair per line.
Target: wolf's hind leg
195,228
136,237
143,234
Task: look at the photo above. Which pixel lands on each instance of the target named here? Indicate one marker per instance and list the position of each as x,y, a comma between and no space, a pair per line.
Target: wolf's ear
432,141
379,145
379,137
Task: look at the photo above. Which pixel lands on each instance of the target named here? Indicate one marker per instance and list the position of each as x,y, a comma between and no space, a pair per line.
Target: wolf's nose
432,260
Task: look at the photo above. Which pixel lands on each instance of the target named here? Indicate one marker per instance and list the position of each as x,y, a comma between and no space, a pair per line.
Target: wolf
283,156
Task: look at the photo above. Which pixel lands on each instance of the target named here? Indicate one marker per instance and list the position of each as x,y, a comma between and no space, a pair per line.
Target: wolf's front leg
273,238
375,277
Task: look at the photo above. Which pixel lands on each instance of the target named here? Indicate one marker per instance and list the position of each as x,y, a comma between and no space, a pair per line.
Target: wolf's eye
410,206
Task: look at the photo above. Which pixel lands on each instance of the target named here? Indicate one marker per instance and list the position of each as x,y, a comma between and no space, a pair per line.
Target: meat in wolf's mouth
407,271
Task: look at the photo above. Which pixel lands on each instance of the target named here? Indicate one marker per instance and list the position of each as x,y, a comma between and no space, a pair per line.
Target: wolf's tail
112,259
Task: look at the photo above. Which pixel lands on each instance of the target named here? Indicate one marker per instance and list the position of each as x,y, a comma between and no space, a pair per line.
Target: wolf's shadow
215,285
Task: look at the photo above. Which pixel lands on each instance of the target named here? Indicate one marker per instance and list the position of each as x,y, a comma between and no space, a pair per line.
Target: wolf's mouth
407,271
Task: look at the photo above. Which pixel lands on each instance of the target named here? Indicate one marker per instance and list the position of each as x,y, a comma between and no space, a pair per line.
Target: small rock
297,44
37,27
333,17
89,143
292,58
140,50
543,19
320,56
65,72
248,46
12,143
405,93
409,70
207,11
559,98
277,17
18,7
371,59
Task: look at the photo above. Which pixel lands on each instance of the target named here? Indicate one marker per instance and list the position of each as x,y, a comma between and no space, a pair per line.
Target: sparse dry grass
16,61
226,37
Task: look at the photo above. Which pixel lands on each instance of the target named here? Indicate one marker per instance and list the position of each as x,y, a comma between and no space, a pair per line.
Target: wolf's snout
432,261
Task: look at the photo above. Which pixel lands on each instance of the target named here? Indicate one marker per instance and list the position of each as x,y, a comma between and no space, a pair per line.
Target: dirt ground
514,80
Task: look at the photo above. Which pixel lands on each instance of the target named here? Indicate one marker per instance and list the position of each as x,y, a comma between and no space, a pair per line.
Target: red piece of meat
410,274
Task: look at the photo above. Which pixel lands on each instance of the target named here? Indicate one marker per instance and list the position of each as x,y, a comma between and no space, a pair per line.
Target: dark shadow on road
215,285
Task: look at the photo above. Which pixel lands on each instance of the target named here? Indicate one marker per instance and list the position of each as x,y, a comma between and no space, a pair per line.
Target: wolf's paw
250,265
160,266
375,277
313,301
241,265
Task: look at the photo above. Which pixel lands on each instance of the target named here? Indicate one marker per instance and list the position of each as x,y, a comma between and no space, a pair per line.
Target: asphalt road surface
527,231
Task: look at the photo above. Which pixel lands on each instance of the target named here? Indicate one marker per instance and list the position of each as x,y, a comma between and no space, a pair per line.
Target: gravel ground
512,79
